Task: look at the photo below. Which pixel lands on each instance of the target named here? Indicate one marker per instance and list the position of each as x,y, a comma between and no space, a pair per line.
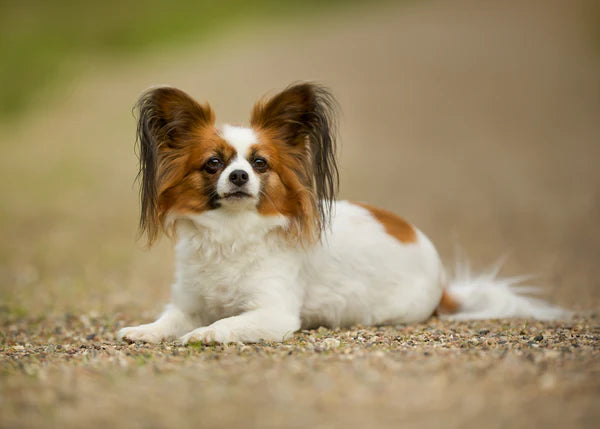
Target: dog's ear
303,117
167,120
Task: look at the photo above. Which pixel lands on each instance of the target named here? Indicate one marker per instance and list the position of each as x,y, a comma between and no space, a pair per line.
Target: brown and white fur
263,249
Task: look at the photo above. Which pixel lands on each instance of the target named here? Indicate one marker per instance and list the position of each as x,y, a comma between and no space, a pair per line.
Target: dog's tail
471,296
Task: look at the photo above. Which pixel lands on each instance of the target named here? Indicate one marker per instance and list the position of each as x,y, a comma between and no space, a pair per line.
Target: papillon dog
262,247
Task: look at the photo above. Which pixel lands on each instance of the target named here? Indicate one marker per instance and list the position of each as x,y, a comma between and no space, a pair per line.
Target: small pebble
331,343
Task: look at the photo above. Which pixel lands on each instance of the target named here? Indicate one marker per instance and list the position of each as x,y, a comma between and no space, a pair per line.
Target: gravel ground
477,123
475,373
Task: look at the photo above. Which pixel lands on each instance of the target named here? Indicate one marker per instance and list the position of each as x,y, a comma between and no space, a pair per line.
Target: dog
262,247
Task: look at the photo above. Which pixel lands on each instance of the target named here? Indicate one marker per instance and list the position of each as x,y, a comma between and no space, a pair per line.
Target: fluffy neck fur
225,233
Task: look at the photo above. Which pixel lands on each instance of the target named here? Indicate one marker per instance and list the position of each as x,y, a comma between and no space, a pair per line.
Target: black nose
238,177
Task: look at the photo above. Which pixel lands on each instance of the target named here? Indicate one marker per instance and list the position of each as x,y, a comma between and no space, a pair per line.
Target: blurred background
478,121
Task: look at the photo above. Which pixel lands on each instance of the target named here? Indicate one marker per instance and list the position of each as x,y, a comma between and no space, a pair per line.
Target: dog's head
283,164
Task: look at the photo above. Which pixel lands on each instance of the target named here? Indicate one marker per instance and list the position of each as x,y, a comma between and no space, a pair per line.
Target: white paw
145,333
209,335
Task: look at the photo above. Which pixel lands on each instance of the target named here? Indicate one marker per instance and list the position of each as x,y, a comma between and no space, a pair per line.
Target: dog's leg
271,324
171,324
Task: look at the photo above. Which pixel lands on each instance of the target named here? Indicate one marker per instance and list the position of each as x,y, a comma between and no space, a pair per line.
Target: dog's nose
238,177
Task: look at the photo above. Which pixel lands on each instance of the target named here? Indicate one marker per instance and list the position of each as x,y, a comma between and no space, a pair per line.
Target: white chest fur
220,259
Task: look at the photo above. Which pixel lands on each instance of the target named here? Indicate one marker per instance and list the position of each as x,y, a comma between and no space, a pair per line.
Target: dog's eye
260,164
213,165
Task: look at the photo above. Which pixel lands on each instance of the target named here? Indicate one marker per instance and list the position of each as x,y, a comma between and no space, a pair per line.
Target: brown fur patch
447,305
284,187
176,137
169,124
189,188
298,125
394,225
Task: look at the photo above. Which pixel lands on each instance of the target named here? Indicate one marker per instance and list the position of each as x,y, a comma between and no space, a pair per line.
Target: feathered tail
486,296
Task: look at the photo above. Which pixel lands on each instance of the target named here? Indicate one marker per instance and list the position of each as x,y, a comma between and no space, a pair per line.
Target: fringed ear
167,118
303,117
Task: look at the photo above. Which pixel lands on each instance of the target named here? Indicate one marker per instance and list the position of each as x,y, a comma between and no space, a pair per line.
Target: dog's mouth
238,195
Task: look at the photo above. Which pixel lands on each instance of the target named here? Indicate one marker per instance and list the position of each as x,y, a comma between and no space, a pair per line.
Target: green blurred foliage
42,42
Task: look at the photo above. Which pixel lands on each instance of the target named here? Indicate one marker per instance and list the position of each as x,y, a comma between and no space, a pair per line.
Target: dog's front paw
209,335
145,333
